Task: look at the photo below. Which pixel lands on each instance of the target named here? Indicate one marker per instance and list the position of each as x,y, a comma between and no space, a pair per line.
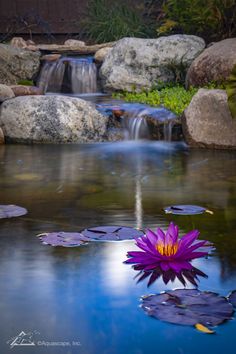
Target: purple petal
164,266
178,266
172,234
152,237
160,235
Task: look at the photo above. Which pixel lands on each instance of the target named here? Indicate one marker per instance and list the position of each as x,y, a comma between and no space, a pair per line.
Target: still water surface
87,294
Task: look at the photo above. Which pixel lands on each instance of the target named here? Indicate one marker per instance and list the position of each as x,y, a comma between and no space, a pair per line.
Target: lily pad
111,233
64,239
11,211
184,209
188,307
232,298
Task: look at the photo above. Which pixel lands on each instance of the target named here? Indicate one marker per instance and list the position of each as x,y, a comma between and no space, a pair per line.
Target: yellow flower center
167,249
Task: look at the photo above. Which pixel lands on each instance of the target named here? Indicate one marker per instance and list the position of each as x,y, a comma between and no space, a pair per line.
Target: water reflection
127,183
185,276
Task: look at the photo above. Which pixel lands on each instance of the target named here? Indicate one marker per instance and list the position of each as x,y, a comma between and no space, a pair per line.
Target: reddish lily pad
64,239
232,298
11,211
188,307
184,209
111,233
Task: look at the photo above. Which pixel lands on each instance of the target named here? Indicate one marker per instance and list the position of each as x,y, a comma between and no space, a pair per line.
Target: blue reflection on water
87,294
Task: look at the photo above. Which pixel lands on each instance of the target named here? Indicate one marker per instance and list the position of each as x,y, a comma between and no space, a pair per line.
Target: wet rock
115,134
101,54
215,64
5,93
74,43
17,64
51,57
134,63
51,119
2,140
22,90
207,122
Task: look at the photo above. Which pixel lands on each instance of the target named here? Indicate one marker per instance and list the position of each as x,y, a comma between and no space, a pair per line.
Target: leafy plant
26,82
110,20
175,98
212,19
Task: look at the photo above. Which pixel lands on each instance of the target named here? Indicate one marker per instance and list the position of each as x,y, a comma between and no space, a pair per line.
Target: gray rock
74,43
17,64
207,122
2,140
101,54
5,93
51,119
215,64
136,63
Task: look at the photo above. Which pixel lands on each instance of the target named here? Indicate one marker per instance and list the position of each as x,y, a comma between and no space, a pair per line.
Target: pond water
86,294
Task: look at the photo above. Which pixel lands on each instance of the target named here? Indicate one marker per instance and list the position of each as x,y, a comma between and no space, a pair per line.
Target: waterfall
139,120
69,75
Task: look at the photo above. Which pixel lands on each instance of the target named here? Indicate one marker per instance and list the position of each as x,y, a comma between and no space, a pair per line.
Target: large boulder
51,119
5,93
215,64
136,63
17,64
207,122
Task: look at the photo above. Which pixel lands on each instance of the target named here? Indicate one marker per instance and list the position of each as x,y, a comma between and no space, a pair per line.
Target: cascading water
78,76
140,121
69,75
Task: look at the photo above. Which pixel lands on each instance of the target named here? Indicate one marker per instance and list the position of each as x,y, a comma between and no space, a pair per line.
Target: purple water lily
167,250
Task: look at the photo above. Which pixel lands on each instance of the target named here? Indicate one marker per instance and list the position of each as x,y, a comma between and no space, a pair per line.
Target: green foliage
175,98
212,19
25,82
231,92
111,20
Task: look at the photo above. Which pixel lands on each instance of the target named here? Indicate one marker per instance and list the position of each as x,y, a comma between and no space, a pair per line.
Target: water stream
69,75
78,77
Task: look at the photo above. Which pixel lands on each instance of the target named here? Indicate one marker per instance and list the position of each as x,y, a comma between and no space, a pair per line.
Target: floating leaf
65,239
232,298
203,329
185,209
11,211
188,307
111,233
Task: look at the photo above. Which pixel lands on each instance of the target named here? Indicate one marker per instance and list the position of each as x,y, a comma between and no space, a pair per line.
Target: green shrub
111,20
25,82
212,19
175,98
